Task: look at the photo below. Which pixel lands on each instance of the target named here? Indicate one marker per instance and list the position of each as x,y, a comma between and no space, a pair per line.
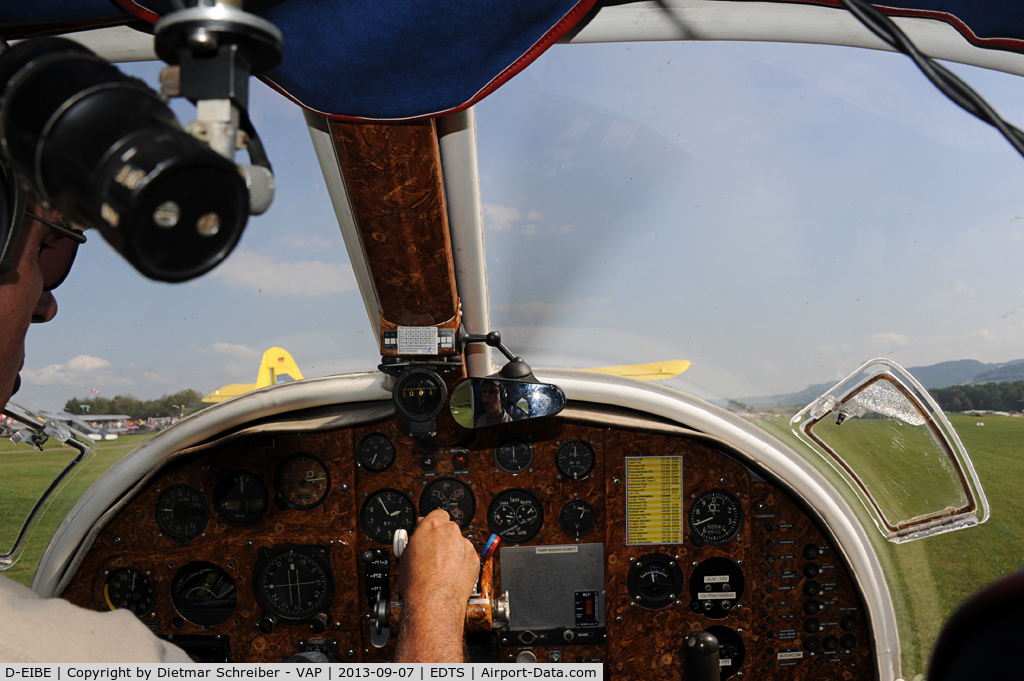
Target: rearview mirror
479,402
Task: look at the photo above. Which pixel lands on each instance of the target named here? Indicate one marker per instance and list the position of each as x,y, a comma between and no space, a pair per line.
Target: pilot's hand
438,571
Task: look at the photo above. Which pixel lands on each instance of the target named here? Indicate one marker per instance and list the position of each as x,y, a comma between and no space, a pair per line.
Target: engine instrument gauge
515,515
575,459
240,498
420,394
302,482
577,518
204,594
513,455
654,581
181,512
376,452
453,496
716,517
385,511
293,582
131,589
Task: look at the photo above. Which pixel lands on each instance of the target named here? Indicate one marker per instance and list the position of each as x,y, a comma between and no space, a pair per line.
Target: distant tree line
168,405
990,396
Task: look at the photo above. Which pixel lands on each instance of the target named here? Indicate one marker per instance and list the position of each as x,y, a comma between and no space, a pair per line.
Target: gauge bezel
372,468
697,536
204,617
287,503
670,596
514,439
317,555
575,533
534,502
180,537
425,495
369,500
151,602
567,474
224,484
408,376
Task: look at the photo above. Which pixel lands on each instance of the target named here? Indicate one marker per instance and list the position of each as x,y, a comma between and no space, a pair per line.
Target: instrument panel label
654,500
417,340
556,549
716,579
721,595
795,655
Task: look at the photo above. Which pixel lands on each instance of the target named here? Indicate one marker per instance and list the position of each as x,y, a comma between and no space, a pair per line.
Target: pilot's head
36,255
490,394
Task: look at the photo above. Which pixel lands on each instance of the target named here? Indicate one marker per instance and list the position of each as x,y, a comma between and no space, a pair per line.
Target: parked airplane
831,543
276,367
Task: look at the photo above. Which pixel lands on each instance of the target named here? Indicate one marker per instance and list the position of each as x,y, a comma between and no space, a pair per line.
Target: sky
776,214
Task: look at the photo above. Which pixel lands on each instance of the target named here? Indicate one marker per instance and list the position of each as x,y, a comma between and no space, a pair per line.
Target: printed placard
654,500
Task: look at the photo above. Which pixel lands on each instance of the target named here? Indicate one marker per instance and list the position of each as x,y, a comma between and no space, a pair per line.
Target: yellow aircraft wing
277,366
655,371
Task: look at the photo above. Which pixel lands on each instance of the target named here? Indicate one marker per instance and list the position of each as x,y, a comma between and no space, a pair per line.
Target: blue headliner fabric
381,59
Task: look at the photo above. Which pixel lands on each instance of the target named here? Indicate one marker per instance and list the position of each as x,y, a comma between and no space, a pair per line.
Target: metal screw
106,572
760,507
203,534
671,562
723,480
344,488
694,564
632,604
170,566
330,542
349,653
469,482
248,544
497,470
366,494
616,482
531,470
632,559
117,540
739,606
739,562
208,224
618,619
679,602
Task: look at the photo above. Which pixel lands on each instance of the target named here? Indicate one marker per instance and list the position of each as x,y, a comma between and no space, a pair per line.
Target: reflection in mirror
479,402
895,447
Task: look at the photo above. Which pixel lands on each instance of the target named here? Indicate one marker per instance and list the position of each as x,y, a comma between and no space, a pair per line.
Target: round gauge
181,512
577,518
515,515
575,459
420,394
715,518
376,452
131,589
453,496
240,498
513,455
385,511
716,586
293,582
204,594
302,482
654,581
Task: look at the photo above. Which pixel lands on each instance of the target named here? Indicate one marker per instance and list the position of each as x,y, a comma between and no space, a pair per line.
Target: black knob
811,570
770,544
428,462
266,624
768,527
368,556
830,642
810,588
811,643
849,623
847,641
812,625
810,551
811,607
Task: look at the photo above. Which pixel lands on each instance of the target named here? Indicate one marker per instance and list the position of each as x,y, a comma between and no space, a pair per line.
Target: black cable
945,80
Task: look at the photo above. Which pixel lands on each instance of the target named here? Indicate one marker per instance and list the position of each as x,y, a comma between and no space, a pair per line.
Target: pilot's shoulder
37,629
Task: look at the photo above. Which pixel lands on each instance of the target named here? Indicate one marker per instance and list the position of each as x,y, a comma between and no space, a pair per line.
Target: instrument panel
264,545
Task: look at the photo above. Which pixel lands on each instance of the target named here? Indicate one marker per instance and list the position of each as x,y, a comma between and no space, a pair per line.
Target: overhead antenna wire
945,80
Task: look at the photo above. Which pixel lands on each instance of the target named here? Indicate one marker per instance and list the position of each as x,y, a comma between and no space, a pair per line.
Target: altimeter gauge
131,589
302,482
385,511
716,517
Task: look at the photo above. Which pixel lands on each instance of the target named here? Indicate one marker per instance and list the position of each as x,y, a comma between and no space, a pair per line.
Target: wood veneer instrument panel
756,587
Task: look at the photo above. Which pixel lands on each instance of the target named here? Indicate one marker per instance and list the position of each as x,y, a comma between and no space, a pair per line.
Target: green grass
27,472
930,578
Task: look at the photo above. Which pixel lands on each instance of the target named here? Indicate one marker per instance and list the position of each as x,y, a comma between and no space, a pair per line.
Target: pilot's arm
439,570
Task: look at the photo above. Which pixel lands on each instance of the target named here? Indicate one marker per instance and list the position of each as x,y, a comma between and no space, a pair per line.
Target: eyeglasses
56,257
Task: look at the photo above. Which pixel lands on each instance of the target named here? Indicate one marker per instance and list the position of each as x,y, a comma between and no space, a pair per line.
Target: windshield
776,215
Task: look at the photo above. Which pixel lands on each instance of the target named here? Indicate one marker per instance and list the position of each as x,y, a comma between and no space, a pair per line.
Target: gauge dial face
716,517
453,496
204,594
654,581
577,518
181,512
513,455
302,482
293,582
376,452
130,589
240,498
575,459
385,511
515,515
420,394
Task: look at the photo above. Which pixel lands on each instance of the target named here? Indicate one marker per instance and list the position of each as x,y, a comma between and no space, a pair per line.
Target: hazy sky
776,214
